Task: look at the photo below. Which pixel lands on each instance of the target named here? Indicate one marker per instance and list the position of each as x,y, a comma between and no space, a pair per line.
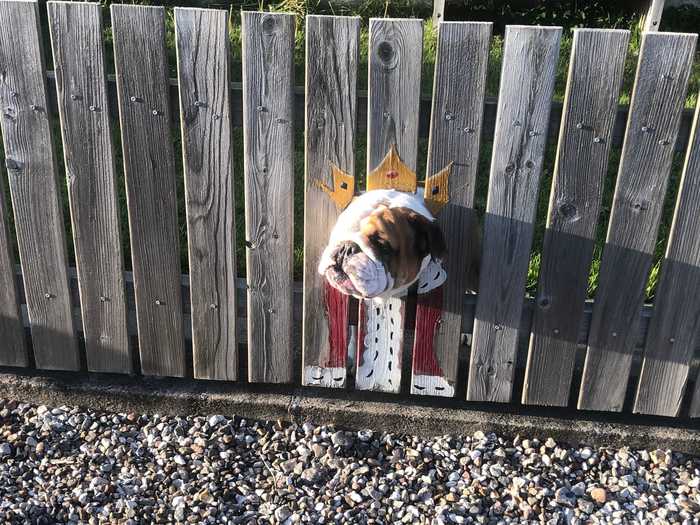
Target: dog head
379,247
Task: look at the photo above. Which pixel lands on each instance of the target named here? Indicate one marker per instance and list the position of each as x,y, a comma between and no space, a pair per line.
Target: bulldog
381,244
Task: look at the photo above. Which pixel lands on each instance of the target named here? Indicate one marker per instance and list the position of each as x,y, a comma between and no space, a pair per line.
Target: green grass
596,16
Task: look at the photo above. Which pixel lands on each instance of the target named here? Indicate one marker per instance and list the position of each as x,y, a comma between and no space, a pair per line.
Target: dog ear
428,235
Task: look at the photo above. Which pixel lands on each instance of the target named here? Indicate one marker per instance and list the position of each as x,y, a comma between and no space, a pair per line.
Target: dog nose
347,249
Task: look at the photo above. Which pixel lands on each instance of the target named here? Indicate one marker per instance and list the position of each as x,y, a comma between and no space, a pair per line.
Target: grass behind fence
429,49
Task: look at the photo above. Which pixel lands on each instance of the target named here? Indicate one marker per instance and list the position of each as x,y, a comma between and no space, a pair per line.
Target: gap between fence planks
527,82
202,46
268,144
149,169
32,174
673,332
657,102
595,78
78,54
332,55
457,115
395,59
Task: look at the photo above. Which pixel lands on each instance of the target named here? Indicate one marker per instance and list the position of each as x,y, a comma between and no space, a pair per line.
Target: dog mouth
341,280
353,272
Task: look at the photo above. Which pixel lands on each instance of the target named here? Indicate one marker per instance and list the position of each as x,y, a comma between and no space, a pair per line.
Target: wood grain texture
32,174
395,57
595,78
149,169
657,102
527,82
458,97
78,55
268,144
674,332
332,54
695,403
205,115
14,346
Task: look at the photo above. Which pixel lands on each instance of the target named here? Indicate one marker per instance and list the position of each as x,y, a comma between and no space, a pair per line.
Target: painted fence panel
590,106
674,332
395,57
78,55
202,44
457,115
527,82
268,79
32,174
149,168
657,103
332,54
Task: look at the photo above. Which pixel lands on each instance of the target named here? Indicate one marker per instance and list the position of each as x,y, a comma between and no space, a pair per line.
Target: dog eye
382,246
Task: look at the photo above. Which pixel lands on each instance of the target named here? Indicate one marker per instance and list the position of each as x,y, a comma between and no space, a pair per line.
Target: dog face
382,251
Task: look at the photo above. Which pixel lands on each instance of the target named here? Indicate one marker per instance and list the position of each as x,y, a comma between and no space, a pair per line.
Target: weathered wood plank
438,12
657,102
674,332
651,20
14,346
695,403
332,54
149,169
31,165
527,82
203,72
78,55
457,115
593,88
395,56
268,144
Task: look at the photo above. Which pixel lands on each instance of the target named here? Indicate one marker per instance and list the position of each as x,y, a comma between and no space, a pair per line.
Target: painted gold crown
391,174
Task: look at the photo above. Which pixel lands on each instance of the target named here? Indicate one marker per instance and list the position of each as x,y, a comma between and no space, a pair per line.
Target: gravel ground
65,464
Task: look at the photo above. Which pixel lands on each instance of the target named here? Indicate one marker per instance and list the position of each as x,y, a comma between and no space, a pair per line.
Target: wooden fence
498,346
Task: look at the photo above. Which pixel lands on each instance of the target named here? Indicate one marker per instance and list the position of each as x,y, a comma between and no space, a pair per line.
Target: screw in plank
93,108
671,340
103,299
133,99
14,94
260,109
198,104
646,129
214,306
579,125
74,97
47,295
276,235
517,123
387,114
510,168
33,107
159,302
469,130
533,133
614,334
449,115
664,142
666,76
217,117
555,331
597,140
270,310
498,327
155,112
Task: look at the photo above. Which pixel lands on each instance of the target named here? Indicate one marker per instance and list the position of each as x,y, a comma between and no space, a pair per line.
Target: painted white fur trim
326,377
431,276
431,386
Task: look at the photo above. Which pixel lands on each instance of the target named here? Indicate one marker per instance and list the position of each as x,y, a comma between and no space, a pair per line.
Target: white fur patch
431,276
431,386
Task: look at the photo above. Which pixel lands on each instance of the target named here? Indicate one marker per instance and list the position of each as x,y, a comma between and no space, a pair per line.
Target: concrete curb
345,409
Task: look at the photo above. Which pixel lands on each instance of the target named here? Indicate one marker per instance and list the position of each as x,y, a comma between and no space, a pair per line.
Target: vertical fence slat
149,168
78,54
673,332
332,53
695,403
525,97
655,110
32,174
268,77
395,57
14,346
205,112
455,131
590,106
